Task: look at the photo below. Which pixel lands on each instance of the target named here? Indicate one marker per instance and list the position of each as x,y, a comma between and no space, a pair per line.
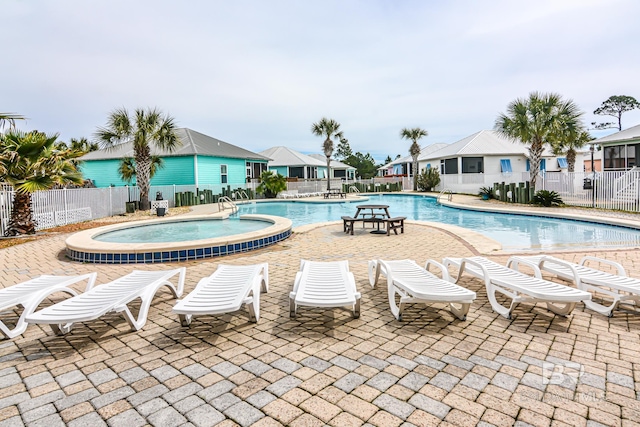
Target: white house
486,157
292,164
402,166
621,150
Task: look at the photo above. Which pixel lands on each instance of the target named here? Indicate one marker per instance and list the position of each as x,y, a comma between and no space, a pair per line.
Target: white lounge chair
324,284
518,286
31,293
619,287
415,284
110,297
225,291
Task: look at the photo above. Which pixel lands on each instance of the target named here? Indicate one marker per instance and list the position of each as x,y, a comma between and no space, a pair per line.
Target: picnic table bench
374,214
335,192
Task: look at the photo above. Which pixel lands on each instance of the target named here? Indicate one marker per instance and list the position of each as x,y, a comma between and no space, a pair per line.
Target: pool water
514,232
182,231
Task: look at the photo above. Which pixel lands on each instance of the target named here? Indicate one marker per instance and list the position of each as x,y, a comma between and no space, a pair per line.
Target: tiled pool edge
81,247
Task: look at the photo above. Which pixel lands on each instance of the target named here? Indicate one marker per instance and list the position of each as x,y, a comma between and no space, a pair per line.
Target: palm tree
330,130
83,145
145,128
32,162
538,120
414,134
569,143
127,168
10,119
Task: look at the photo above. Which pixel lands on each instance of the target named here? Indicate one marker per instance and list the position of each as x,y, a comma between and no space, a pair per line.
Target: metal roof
633,133
483,143
284,156
193,143
335,164
424,154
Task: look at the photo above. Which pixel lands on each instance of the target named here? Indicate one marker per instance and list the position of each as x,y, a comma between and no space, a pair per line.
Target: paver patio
324,367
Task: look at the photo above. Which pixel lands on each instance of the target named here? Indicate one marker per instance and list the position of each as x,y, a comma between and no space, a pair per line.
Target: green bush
428,179
547,198
271,184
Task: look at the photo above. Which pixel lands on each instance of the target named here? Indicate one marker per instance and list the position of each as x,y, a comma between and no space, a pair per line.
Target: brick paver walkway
324,367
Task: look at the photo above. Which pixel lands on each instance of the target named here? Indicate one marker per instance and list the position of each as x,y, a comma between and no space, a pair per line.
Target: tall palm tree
30,162
145,128
414,135
540,119
10,119
330,130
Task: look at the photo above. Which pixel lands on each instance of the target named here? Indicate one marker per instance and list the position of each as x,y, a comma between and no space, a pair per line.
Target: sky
259,73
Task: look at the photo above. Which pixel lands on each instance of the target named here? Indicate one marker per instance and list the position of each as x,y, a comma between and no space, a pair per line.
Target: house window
249,170
472,165
223,174
542,167
296,172
562,163
505,166
450,166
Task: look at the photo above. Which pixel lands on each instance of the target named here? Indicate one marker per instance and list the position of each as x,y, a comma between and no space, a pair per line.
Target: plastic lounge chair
518,286
225,291
324,284
415,284
110,297
620,287
31,293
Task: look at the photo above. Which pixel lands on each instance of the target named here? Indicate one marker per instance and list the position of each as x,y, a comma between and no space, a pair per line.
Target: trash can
130,207
160,211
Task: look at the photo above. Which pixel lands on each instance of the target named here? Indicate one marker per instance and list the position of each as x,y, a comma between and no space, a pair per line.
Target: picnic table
335,192
375,214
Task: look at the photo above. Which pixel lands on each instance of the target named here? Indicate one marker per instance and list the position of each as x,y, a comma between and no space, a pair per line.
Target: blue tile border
174,256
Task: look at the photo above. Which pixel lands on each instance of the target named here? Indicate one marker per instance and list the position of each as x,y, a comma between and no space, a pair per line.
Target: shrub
428,179
547,198
486,192
271,184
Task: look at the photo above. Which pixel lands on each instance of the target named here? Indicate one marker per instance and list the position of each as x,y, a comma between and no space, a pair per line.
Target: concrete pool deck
325,368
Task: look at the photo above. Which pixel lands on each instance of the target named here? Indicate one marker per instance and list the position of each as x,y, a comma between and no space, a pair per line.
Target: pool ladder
445,192
241,195
225,202
353,189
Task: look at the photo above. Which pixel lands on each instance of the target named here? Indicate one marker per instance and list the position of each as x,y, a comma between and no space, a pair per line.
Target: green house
200,160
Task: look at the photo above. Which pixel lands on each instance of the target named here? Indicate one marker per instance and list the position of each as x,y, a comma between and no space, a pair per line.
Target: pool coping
82,247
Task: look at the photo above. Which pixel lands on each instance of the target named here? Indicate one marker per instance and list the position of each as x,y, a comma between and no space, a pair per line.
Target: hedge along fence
373,187
203,197
521,192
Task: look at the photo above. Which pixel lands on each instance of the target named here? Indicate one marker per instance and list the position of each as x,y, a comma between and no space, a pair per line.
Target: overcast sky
258,73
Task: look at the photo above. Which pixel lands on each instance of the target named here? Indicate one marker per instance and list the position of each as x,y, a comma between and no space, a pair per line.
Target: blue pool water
182,231
514,232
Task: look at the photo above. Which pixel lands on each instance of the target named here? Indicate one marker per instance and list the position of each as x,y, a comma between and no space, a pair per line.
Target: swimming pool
181,231
514,232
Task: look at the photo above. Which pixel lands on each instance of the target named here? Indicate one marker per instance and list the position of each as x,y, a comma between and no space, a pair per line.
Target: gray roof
193,143
335,164
284,156
483,143
633,133
424,154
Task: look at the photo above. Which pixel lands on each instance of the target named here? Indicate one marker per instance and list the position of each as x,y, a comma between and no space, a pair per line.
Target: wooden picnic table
374,214
335,192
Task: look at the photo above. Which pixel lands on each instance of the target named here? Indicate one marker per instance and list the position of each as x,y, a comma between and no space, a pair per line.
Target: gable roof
632,133
284,156
335,164
424,154
483,143
193,143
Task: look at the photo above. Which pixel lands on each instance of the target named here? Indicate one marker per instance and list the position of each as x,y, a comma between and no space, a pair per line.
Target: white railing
444,192
225,202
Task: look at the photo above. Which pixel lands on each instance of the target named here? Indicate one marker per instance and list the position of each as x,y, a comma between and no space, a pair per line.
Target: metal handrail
353,189
443,192
241,195
225,201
